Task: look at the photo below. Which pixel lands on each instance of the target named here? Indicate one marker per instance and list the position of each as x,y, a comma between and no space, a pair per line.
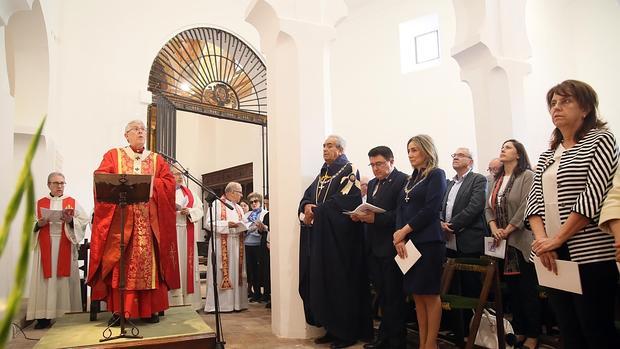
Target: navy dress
419,205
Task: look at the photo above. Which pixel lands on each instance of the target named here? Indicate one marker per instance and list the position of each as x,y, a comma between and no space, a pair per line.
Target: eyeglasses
377,164
137,129
238,192
460,155
254,201
60,184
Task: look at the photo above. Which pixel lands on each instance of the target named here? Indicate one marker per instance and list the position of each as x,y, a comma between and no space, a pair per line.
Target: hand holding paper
54,216
494,248
412,256
364,208
566,279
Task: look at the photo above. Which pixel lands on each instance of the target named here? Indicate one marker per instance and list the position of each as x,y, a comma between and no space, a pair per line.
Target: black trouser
264,264
388,281
467,284
253,270
525,304
587,321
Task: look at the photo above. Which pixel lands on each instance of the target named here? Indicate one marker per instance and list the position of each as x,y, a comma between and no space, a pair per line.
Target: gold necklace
415,184
326,179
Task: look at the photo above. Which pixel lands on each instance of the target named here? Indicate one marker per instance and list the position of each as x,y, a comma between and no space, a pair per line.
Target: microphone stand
210,198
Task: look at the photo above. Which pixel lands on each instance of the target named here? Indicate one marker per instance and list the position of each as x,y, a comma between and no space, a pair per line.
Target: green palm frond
25,185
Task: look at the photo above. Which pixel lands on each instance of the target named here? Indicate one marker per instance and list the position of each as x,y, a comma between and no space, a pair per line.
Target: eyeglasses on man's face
377,164
254,201
460,156
137,129
59,184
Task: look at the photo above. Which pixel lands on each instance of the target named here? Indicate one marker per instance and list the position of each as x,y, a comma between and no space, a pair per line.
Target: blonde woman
418,220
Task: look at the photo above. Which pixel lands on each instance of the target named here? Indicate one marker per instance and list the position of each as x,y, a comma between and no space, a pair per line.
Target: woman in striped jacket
563,207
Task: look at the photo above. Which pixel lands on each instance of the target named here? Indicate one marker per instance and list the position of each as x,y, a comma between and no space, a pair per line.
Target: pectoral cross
323,180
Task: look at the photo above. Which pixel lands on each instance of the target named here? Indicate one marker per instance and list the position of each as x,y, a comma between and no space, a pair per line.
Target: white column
298,121
492,49
7,116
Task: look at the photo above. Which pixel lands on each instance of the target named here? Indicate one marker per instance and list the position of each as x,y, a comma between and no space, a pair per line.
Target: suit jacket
521,238
468,221
422,211
380,233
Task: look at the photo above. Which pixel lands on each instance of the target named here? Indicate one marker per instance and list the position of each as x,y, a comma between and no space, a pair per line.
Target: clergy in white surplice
188,212
231,279
55,280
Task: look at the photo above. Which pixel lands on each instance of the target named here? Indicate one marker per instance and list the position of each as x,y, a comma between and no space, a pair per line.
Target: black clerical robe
332,274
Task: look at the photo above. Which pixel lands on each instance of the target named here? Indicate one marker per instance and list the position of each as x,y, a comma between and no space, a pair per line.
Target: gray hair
134,122
257,196
470,153
53,174
340,142
231,186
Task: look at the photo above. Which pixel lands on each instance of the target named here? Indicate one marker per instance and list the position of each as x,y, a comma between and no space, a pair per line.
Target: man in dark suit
463,219
462,210
383,192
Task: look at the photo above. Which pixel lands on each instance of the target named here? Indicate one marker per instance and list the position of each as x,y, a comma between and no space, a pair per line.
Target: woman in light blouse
504,212
610,214
571,181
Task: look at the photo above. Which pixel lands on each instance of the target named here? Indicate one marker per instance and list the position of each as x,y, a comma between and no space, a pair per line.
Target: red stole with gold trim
45,242
224,244
190,242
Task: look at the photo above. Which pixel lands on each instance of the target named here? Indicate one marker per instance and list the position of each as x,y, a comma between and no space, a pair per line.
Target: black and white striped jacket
584,178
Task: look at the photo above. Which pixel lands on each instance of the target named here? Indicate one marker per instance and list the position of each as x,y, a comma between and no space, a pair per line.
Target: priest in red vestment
151,254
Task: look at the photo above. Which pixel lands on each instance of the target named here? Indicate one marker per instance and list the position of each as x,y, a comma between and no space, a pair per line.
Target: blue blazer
422,211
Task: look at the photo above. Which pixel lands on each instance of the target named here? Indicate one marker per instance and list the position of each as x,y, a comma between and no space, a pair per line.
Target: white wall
374,104
571,40
206,144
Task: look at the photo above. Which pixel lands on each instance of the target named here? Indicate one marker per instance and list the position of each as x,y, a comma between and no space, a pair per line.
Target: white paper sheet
364,208
51,215
181,201
568,278
412,256
490,249
451,242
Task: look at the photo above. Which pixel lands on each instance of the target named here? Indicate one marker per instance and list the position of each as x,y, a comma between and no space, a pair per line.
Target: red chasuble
45,242
151,254
190,241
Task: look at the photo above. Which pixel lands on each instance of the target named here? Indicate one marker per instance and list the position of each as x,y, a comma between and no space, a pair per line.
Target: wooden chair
487,267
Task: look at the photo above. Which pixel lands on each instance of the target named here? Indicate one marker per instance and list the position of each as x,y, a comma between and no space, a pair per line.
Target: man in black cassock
332,273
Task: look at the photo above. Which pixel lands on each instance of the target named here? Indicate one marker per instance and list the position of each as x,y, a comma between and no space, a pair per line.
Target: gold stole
224,247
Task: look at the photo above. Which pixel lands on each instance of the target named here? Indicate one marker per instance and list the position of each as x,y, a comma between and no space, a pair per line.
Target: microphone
170,159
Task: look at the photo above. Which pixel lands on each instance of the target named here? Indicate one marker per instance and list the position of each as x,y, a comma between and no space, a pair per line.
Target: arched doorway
211,72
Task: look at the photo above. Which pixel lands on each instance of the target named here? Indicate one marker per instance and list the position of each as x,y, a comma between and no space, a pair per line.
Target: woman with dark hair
571,181
418,220
505,211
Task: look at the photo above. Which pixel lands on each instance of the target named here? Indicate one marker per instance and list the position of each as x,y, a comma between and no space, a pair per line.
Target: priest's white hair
134,122
230,187
54,174
340,142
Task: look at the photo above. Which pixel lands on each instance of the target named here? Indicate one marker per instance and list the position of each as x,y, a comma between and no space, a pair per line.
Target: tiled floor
246,329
